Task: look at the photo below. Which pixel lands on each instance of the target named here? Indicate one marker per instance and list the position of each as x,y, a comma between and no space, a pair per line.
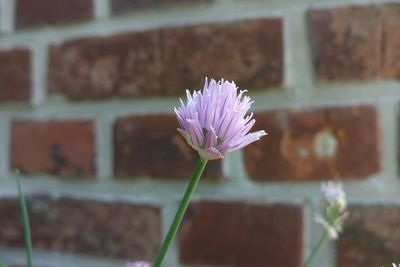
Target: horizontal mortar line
146,20
374,202
336,94
157,192
89,109
50,258
311,4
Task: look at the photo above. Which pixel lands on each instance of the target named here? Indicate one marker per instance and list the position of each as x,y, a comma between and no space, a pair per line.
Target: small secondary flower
333,194
333,209
138,264
215,121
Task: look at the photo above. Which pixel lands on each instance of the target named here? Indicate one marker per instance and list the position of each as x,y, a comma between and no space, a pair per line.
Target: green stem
317,249
180,212
25,222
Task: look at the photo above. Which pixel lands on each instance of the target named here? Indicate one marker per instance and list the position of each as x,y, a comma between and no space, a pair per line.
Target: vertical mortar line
39,73
104,147
233,166
328,256
168,210
7,14
388,122
5,134
312,235
307,213
298,75
102,8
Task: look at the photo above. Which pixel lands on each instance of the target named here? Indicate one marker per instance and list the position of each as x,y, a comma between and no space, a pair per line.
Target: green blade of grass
25,221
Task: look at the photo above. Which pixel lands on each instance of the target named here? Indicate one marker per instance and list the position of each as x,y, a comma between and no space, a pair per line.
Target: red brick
123,6
15,75
242,235
166,62
151,146
248,52
391,38
125,65
112,229
62,148
34,13
315,144
357,42
370,237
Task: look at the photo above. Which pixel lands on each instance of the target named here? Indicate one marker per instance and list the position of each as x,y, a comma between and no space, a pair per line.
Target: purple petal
196,132
212,138
248,139
187,138
212,153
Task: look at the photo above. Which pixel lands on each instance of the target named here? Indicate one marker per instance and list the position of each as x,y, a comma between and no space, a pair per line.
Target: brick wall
87,90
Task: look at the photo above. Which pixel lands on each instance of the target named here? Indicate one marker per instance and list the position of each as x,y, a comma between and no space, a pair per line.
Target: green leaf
25,221
2,265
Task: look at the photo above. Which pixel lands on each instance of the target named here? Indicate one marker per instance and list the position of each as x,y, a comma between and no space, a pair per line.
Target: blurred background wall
87,90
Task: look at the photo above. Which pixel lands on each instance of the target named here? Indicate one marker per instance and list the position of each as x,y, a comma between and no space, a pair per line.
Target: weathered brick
62,148
167,61
248,52
370,237
34,13
15,75
315,144
391,42
242,235
151,146
357,42
123,6
111,229
125,65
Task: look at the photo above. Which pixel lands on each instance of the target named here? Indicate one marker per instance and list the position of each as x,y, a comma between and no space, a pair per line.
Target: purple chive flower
215,121
138,264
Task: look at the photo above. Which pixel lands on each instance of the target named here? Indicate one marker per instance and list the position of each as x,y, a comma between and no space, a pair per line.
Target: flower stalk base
180,212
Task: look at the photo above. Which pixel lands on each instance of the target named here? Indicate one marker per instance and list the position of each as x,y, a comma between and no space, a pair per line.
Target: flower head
333,209
138,264
333,194
215,121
